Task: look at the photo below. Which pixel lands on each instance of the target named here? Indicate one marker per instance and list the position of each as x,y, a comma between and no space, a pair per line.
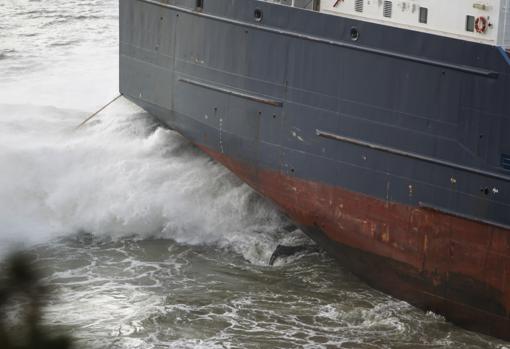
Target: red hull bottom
450,265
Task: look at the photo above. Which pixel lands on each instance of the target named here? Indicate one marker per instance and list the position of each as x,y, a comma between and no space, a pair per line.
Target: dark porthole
257,14
199,4
354,34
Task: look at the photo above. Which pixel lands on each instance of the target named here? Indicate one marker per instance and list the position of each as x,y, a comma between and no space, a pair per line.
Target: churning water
149,243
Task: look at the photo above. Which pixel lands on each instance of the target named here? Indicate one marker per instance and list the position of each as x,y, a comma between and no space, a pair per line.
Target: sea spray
122,175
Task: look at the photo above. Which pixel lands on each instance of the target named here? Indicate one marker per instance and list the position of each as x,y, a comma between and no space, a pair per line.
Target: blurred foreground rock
22,298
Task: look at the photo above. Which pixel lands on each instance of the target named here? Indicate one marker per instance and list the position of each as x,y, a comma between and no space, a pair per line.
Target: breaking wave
123,175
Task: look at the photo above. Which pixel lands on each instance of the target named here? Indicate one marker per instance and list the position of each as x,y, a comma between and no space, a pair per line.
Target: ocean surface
149,243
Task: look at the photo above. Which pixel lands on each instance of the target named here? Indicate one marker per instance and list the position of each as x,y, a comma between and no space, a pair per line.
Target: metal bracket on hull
505,54
399,152
250,97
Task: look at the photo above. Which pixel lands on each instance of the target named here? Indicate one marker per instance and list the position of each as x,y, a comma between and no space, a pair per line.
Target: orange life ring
481,24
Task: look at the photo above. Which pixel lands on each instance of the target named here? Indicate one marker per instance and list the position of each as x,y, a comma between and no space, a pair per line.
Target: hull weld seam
395,151
457,67
462,215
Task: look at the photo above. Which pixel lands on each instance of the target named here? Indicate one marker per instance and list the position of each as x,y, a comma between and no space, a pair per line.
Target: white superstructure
484,21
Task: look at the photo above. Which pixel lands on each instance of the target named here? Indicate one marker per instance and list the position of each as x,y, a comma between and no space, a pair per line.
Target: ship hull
441,259
378,152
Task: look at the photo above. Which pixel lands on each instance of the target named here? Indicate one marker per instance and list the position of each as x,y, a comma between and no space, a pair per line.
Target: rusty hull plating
438,262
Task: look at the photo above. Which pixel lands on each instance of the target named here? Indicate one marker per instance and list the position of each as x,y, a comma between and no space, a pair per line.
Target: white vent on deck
424,15
358,5
387,9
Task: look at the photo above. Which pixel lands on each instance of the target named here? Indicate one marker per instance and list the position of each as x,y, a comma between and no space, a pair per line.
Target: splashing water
150,243
122,176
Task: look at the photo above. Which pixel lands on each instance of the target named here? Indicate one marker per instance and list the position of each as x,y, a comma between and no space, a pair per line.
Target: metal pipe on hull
253,95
